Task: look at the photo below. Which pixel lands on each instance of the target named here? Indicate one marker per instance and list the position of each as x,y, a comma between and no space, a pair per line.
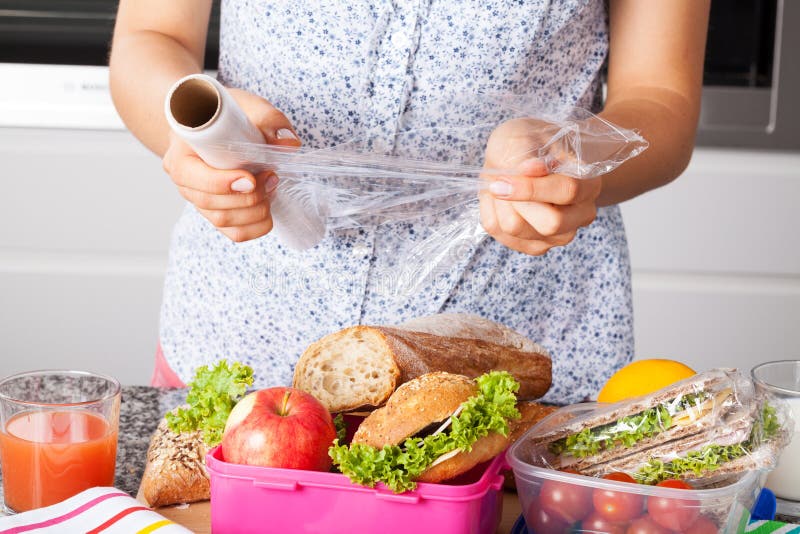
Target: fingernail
242,185
286,133
271,183
501,188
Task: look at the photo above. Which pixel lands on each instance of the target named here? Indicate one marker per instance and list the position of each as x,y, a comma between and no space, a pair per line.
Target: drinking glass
58,435
782,379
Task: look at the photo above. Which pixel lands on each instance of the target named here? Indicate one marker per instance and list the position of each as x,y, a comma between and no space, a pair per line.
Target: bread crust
397,355
417,353
471,326
431,398
482,450
175,472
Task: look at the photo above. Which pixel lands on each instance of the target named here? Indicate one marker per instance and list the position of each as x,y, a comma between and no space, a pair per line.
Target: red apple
279,427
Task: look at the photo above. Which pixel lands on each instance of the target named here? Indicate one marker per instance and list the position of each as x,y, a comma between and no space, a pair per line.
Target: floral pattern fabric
345,70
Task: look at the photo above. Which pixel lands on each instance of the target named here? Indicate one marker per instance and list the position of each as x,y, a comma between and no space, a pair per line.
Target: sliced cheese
444,457
696,412
445,424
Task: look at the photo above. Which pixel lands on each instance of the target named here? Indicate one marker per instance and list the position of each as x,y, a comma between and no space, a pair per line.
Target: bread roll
431,399
175,472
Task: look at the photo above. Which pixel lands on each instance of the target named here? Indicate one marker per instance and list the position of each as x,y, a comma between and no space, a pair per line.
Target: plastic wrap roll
204,114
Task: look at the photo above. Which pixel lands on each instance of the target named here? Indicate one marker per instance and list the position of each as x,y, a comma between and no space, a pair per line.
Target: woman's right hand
235,201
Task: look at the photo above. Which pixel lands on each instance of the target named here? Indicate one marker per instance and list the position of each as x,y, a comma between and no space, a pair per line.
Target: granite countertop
140,412
141,409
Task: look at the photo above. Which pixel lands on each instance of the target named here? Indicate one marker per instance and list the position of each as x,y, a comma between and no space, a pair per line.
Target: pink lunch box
249,499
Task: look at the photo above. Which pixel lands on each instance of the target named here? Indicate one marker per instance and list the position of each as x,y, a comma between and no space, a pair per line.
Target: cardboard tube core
195,104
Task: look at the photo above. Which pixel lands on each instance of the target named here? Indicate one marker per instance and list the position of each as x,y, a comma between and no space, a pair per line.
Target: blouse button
401,41
360,250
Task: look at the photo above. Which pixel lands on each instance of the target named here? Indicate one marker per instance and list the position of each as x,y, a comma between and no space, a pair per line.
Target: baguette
471,327
175,472
361,366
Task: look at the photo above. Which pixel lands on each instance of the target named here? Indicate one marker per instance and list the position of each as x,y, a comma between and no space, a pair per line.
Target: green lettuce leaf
399,466
341,427
769,424
212,395
711,456
625,432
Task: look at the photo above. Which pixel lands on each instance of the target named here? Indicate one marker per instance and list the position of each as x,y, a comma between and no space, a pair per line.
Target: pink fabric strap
163,375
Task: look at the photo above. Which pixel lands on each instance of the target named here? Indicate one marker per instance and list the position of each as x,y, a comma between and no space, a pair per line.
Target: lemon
642,377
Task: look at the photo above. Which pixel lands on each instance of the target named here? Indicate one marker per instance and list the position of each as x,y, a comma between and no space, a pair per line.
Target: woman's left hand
532,211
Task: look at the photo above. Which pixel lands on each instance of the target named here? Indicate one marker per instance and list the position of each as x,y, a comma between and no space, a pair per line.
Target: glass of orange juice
58,436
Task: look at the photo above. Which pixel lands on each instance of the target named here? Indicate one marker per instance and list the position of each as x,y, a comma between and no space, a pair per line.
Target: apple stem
285,401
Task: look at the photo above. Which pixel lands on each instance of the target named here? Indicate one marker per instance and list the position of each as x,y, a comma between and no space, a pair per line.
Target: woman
338,69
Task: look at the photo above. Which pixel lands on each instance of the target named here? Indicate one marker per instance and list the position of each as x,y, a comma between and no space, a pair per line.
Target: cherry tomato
620,477
674,483
703,525
543,522
570,502
595,522
674,514
617,506
644,525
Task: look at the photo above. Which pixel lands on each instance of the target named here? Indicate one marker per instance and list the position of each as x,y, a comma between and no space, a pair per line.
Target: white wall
84,229
86,217
716,258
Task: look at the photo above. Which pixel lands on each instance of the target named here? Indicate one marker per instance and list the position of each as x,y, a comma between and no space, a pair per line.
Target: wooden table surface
197,517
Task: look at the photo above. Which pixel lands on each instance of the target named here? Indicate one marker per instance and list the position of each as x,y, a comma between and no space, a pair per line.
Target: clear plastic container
249,499
558,502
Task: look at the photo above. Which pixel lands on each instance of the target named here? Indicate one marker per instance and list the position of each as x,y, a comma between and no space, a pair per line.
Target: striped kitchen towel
96,510
772,527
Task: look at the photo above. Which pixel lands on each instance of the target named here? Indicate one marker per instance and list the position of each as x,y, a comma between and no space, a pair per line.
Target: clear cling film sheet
432,176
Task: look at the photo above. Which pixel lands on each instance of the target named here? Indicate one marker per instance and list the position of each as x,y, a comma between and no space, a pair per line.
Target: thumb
276,128
273,125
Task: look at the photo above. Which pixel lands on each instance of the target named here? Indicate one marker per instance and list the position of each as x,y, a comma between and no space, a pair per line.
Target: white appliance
56,96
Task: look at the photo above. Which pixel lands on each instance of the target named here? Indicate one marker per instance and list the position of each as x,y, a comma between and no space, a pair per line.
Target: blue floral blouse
341,69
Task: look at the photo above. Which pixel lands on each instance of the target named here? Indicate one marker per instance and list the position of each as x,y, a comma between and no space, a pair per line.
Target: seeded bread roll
430,399
175,472
361,366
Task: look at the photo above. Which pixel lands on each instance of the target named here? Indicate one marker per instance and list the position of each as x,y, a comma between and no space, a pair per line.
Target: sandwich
436,427
685,408
707,429
360,367
749,440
